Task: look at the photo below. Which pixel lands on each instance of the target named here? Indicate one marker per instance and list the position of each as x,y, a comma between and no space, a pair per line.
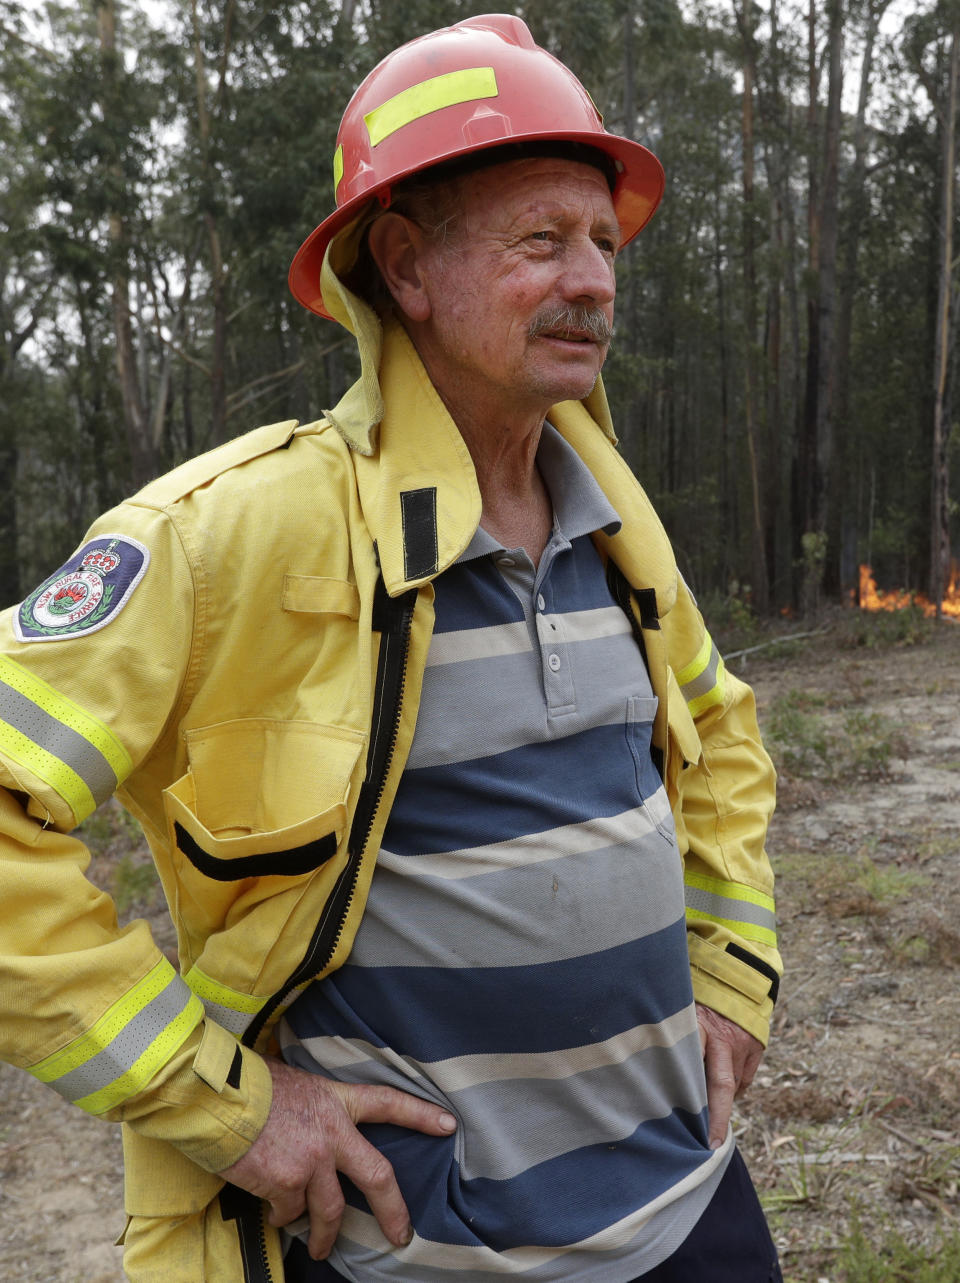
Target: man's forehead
503,192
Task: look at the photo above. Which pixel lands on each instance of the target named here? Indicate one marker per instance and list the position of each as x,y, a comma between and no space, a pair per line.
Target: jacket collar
419,491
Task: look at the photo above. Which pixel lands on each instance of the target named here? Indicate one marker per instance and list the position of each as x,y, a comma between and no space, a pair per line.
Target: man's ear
397,245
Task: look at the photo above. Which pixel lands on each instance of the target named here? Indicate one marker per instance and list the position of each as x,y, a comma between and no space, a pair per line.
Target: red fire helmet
480,84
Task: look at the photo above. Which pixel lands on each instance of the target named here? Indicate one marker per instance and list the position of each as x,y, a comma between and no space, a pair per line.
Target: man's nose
589,274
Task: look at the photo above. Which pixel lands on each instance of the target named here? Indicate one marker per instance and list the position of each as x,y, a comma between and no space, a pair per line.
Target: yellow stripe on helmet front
468,85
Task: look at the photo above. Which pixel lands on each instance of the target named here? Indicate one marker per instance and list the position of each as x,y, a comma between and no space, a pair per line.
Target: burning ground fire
872,598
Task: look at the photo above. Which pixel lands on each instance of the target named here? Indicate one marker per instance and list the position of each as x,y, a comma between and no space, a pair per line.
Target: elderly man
459,817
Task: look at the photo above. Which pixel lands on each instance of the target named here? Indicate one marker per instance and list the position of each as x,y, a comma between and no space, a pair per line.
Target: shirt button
541,604
554,662
505,561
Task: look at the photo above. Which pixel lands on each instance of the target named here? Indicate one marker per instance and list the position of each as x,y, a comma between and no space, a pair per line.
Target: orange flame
872,598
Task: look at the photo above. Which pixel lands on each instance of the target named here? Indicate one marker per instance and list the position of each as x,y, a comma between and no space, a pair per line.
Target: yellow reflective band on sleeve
145,1067
60,742
228,1007
128,1045
739,908
431,95
337,168
698,664
702,680
48,768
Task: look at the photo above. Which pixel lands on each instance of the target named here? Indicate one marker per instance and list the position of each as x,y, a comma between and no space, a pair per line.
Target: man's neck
519,520
503,442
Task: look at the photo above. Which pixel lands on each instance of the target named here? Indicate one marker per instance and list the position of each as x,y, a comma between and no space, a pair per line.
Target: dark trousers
729,1244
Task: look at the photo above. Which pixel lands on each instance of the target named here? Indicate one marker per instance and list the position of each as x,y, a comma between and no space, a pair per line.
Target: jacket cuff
731,987
211,1101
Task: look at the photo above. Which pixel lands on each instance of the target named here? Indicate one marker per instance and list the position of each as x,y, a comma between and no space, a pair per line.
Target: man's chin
575,389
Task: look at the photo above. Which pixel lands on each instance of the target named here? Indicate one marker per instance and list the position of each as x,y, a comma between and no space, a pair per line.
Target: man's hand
311,1134
731,1057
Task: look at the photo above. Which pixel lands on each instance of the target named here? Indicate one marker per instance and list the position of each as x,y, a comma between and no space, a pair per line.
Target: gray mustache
574,319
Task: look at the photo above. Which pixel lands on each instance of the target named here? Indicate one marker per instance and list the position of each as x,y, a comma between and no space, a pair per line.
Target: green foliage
808,740
135,883
894,1260
732,620
881,629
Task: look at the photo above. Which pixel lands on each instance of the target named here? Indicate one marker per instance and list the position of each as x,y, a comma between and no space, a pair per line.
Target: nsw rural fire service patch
86,593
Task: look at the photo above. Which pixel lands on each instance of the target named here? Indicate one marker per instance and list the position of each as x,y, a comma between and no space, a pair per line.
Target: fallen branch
737,654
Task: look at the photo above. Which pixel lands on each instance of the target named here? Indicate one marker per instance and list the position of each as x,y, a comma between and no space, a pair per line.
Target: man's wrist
211,1101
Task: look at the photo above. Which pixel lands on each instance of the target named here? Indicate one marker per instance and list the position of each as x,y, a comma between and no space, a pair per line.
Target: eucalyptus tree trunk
783,244
943,342
216,369
761,585
135,417
806,460
826,493
817,428
857,211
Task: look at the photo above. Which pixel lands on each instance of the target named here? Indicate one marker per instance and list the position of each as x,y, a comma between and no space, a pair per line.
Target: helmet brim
637,194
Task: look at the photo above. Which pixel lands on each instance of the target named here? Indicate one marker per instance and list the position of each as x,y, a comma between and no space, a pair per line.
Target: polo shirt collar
579,505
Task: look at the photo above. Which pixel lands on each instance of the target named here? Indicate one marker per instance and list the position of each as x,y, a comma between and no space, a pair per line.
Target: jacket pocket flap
312,594
288,851
256,775
160,1181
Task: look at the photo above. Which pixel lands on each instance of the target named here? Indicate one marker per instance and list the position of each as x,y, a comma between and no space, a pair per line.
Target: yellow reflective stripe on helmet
428,96
748,912
65,746
131,1041
228,1007
702,681
337,168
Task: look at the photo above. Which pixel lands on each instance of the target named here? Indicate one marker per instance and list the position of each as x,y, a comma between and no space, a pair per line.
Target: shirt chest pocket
262,800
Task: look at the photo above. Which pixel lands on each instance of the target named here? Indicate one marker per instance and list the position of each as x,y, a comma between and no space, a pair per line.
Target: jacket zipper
392,618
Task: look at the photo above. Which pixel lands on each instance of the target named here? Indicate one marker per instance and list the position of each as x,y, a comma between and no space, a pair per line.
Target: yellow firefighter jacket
251,695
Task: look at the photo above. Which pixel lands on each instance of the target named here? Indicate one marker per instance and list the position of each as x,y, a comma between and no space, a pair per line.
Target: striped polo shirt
522,960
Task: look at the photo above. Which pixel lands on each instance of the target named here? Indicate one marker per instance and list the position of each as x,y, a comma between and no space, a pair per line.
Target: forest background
783,369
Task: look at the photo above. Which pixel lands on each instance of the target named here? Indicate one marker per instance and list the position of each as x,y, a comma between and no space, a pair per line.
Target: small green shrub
809,743
894,1260
871,741
881,629
134,883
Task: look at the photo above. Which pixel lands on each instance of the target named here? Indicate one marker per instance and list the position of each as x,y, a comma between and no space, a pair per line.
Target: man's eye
545,235
607,245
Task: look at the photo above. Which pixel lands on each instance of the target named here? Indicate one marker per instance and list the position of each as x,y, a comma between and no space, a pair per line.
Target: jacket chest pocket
262,801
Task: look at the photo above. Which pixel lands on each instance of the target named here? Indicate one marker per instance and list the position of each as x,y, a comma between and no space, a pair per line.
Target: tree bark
218,272
858,208
943,342
142,465
759,576
825,497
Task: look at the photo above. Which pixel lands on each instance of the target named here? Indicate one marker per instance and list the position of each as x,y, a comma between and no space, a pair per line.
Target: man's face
521,294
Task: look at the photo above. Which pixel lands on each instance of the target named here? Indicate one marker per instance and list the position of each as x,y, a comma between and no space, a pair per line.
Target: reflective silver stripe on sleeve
122,1053
720,906
706,681
60,741
235,1022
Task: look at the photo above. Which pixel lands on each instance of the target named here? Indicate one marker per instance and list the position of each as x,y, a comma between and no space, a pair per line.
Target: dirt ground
855,1109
